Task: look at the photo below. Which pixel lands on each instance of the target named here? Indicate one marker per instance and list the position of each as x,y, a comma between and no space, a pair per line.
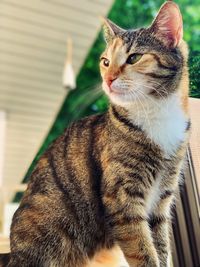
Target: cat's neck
163,121
144,109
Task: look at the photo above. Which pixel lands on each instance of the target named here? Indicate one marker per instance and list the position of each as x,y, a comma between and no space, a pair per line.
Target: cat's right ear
168,24
110,29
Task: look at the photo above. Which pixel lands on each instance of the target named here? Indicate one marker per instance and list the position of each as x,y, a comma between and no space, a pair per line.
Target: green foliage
87,99
194,63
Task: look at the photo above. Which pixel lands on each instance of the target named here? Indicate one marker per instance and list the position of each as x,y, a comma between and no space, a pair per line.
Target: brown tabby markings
88,197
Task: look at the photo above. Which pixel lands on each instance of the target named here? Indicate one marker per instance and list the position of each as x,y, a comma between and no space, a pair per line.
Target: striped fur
106,186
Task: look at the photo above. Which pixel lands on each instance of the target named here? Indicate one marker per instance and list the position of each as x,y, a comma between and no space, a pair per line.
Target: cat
107,185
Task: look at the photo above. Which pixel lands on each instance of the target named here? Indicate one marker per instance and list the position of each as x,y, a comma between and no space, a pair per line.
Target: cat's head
145,62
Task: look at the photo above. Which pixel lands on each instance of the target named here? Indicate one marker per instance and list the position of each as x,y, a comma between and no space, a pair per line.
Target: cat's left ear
110,29
168,25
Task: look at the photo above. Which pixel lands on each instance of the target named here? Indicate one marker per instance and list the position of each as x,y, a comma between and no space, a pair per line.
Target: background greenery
87,99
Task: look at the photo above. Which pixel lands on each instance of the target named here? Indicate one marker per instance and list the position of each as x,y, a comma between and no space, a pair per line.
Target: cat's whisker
162,97
139,102
146,116
149,98
137,107
150,87
144,85
161,86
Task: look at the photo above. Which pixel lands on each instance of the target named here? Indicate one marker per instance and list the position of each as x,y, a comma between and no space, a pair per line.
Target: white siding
33,38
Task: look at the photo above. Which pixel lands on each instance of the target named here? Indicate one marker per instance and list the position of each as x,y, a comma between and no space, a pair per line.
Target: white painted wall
2,144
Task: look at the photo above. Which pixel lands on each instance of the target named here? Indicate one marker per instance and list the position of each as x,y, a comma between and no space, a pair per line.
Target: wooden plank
78,32
88,7
17,35
36,18
50,10
14,57
37,50
32,54
24,74
26,70
29,83
4,244
34,94
32,109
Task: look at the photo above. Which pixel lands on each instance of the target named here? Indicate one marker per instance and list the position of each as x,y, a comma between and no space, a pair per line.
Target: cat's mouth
111,90
115,91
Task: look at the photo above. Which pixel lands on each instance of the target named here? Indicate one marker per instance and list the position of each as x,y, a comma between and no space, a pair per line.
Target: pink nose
109,80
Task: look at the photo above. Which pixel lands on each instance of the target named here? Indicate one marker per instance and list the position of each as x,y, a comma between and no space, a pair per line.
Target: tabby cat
108,183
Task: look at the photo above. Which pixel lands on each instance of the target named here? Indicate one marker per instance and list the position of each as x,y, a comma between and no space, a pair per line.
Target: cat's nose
110,79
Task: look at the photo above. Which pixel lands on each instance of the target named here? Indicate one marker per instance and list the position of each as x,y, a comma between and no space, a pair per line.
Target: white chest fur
153,196
163,121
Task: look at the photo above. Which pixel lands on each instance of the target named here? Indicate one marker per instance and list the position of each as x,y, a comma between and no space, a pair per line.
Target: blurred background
49,77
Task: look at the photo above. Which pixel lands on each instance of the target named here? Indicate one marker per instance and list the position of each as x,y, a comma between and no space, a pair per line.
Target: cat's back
71,159
80,136
63,193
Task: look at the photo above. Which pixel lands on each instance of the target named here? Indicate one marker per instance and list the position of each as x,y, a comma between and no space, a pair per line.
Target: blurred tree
87,99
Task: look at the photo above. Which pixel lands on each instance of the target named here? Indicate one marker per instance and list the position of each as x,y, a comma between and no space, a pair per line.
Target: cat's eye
133,58
105,61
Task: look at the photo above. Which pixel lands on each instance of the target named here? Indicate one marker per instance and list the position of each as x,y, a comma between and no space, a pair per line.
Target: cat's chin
120,99
121,102
116,96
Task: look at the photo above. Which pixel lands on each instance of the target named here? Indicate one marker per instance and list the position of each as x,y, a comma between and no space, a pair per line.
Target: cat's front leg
160,224
137,246
127,217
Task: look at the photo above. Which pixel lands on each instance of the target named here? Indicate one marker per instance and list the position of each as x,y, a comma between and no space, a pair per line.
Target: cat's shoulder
80,129
88,122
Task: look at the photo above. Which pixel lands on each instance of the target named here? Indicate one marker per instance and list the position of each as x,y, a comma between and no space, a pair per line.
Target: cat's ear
110,29
168,24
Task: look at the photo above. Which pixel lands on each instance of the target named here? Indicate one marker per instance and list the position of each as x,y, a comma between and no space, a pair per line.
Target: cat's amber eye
133,58
105,61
